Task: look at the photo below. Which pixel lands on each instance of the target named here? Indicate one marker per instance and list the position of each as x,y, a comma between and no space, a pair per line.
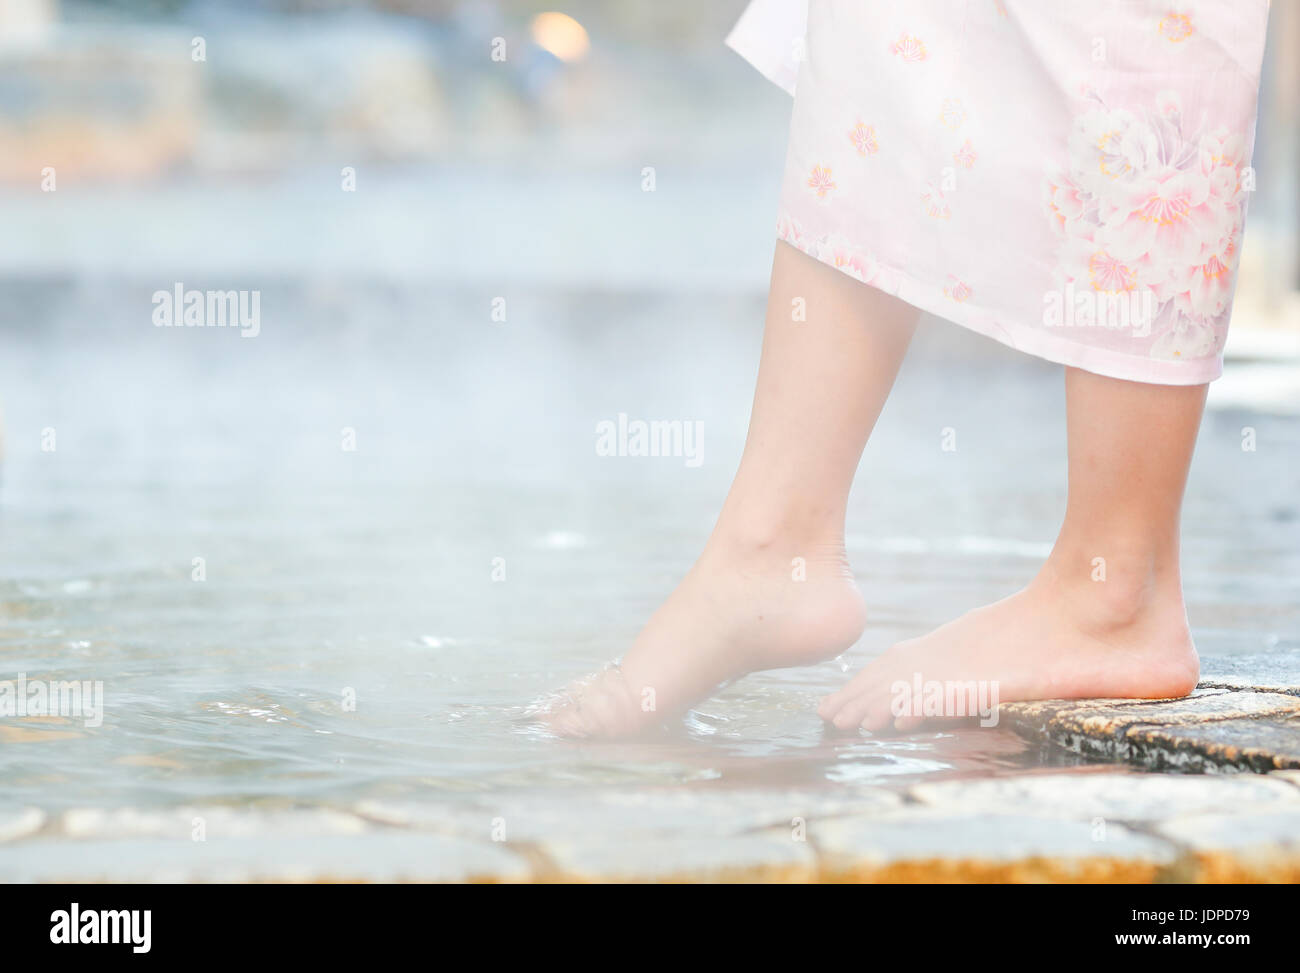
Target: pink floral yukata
1067,177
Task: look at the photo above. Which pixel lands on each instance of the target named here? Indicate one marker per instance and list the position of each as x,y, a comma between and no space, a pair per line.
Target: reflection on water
372,622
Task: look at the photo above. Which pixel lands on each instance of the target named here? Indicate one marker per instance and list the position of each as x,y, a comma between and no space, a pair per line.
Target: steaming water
370,572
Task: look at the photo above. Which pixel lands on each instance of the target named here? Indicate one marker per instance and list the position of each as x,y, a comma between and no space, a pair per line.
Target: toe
851,713
834,702
828,706
878,715
832,705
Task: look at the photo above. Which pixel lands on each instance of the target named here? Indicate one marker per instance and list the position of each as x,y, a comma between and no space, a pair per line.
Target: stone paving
1244,716
1085,824
1235,817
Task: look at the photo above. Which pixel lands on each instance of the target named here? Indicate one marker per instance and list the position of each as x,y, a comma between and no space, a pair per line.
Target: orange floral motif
837,253
1215,269
864,139
1168,204
831,249
936,204
953,113
1105,273
908,48
957,290
791,231
820,182
965,156
1175,27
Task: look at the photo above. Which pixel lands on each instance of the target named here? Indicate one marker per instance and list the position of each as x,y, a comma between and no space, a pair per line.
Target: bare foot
736,611
1056,639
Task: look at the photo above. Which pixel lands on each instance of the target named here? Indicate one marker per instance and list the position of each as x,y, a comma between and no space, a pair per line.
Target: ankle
1120,590
782,543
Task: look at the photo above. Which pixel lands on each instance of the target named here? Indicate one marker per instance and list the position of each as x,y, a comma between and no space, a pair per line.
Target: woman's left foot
739,609
1056,639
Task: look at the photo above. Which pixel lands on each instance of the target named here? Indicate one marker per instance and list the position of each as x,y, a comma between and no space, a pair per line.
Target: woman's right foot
1062,637
741,608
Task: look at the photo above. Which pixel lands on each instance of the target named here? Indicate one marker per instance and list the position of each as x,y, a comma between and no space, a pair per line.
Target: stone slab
1131,797
1213,729
1277,672
1248,846
379,857
1259,745
627,815
1034,718
769,856
212,822
928,845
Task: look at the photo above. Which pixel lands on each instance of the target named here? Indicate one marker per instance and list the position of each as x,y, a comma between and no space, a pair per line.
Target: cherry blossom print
1109,275
908,48
952,113
1146,205
935,203
831,249
1209,290
1065,201
957,290
1105,146
1068,179
791,231
1175,27
864,139
1171,215
820,181
837,252
1222,148
1188,340
1169,104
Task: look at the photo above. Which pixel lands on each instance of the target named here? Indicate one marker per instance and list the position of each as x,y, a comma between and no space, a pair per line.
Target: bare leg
772,587
1105,615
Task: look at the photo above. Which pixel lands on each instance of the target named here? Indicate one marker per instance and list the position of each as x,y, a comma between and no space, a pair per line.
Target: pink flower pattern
864,139
820,181
952,113
1147,205
1175,27
956,290
830,249
1145,200
909,48
935,203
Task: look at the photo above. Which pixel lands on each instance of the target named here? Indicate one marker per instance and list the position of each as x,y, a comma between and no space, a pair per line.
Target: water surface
368,574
